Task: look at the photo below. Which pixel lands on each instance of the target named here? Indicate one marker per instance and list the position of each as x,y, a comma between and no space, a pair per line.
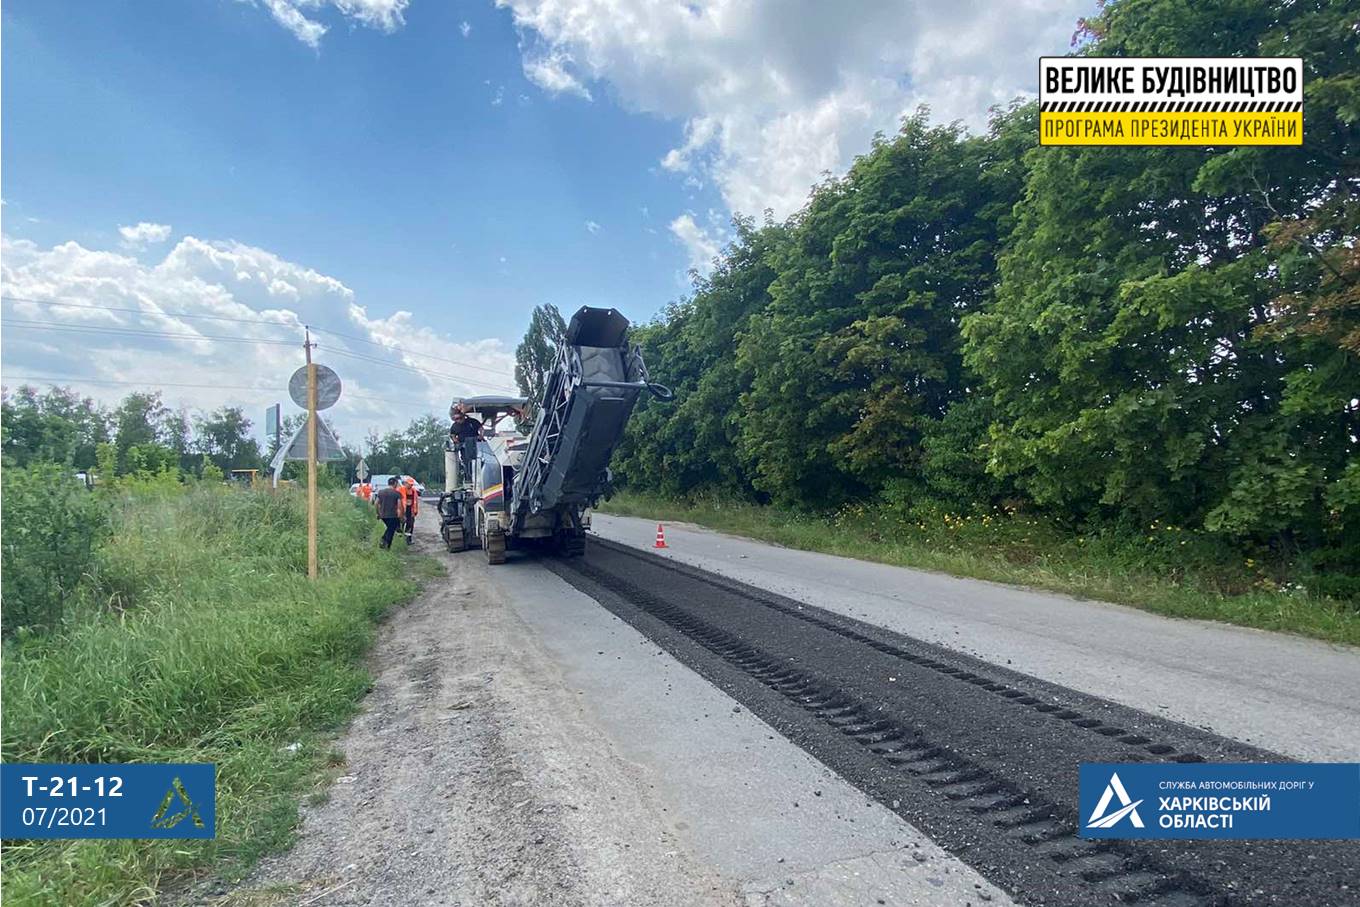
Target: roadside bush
213,647
52,525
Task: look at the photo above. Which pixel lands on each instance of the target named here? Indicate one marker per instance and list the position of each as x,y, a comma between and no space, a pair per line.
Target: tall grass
1165,569
197,637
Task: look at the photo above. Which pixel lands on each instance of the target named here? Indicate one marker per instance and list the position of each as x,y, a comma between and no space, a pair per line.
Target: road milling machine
508,490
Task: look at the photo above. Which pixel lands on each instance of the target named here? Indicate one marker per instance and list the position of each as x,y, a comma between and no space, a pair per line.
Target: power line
110,308
61,327
409,368
79,380
75,379
252,321
407,352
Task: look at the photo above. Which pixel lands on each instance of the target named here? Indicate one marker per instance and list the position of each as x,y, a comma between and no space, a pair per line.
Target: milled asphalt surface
1294,696
982,758
523,746
748,804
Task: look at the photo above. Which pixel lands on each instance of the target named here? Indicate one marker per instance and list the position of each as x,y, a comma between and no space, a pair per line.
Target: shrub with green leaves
52,525
201,640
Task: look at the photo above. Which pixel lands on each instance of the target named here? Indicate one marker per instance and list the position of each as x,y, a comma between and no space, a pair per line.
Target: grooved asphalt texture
982,758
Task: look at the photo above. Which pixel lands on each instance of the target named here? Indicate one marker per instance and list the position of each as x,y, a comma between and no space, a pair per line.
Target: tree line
1102,335
142,435
139,435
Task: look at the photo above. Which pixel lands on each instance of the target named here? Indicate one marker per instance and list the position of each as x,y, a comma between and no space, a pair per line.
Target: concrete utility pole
311,458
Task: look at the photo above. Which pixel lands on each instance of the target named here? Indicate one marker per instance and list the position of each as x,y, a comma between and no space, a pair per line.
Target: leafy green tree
224,437
179,438
858,353
1146,354
691,445
57,426
138,421
536,353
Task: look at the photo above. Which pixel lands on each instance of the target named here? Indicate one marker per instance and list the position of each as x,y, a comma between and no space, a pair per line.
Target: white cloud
552,73
465,27
138,236
774,94
257,302
384,15
592,226
700,244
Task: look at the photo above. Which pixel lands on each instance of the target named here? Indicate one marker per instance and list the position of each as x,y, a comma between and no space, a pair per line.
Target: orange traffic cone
660,537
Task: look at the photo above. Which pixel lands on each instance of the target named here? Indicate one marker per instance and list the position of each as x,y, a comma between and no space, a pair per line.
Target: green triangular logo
166,819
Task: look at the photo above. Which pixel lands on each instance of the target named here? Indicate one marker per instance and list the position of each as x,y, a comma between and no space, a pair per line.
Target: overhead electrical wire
132,311
263,321
75,379
405,352
62,327
410,368
94,329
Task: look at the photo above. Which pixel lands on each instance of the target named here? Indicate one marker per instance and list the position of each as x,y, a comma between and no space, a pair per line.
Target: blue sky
416,175
380,158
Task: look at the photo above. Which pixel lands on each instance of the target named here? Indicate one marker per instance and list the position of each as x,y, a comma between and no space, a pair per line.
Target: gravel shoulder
523,746
468,780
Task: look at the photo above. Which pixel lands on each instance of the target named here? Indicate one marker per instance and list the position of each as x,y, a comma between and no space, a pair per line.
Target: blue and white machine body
539,488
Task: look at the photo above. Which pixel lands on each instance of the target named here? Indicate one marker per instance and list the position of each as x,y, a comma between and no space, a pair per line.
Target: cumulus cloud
592,226
552,72
143,233
226,316
701,245
775,94
384,15
465,27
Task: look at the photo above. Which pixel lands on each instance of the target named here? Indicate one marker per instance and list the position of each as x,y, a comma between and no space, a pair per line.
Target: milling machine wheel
453,539
572,544
495,547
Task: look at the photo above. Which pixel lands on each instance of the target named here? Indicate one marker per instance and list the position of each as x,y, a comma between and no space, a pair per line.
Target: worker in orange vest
365,491
411,499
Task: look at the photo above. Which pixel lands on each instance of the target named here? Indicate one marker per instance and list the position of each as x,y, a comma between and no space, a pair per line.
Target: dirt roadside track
470,780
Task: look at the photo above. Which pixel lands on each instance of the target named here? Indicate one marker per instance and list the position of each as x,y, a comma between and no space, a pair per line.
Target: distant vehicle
246,477
380,481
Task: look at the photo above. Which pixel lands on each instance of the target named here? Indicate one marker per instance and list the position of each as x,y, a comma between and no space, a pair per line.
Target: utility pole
311,457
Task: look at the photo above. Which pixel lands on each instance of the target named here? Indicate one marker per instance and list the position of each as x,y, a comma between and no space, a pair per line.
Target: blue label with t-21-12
51,800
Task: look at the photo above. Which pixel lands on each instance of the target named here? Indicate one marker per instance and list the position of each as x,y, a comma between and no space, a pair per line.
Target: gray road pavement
745,802
523,746
1295,696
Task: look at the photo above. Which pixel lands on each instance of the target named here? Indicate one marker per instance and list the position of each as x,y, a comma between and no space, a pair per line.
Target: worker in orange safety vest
411,499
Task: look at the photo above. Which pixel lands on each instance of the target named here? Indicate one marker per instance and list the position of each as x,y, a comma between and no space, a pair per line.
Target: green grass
198,638
1167,570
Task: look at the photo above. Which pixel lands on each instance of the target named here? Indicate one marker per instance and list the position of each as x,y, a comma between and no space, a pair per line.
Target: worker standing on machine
466,432
410,498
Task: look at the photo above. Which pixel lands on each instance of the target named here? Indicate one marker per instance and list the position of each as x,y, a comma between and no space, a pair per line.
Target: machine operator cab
485,449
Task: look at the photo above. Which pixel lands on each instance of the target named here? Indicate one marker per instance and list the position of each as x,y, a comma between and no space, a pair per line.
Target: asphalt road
1295,696
524,746
614,731
982,758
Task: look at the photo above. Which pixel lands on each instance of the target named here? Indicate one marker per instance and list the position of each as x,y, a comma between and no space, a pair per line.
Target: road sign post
311,462
314,387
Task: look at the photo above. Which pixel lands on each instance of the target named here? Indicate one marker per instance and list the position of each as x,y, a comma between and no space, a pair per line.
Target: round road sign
327,387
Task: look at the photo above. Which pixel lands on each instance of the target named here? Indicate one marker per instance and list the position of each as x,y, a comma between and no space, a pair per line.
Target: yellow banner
1171,128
